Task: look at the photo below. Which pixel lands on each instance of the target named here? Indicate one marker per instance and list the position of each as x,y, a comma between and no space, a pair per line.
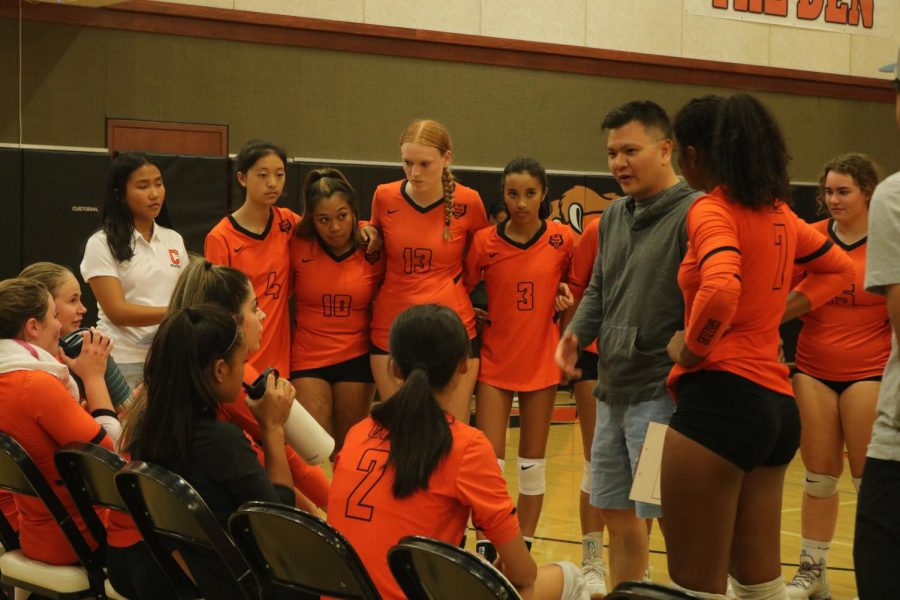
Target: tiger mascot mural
578,206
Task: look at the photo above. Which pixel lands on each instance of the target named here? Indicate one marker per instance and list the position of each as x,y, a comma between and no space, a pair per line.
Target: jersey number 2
372,463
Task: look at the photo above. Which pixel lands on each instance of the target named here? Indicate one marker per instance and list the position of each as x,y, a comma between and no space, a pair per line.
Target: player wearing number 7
427,221
335,281
524,262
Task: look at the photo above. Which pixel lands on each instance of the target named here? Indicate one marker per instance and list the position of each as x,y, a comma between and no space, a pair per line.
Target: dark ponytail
427,344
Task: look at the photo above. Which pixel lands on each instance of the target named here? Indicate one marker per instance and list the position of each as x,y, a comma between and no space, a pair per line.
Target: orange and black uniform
423,267
264,258
333,296
522,281
363,508
735,279
40,414
848,338
310,480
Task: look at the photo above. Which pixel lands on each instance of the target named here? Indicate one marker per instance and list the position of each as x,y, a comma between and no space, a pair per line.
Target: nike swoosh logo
393,210
526,467
238,249
306,260
492,254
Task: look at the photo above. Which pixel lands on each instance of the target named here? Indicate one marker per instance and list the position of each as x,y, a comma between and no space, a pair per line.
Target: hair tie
415,366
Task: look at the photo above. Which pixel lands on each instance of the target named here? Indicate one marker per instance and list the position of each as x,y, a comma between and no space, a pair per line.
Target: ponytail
427,343
425,438
449,182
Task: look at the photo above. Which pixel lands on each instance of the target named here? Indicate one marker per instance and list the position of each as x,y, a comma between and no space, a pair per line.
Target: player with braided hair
424,247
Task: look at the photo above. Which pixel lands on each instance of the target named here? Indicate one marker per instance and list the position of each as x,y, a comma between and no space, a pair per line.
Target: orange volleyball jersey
735,279
422,267
583,258
333,296
265,259
849,337
522,280
363,508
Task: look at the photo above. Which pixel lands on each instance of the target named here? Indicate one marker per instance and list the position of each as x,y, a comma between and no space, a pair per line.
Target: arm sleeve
589,316
583,256
61,417
215,249
717,247
472,265
829,270
883,248
310,480
481,486
375,212
479,216
98,260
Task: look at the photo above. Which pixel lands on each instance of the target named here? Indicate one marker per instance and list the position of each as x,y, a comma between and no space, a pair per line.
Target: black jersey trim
501,231
810,257
250,234
846,247
716,251
99,437
421,209
338,258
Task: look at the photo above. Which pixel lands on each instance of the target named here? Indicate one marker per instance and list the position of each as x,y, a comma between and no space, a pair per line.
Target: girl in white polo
133,262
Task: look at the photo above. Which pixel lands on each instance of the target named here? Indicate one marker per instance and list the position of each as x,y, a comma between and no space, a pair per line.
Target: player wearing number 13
427,221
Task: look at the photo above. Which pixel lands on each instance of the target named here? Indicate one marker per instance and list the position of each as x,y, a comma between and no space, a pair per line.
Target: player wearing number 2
428,221
335,281
736,426
413,469
524,262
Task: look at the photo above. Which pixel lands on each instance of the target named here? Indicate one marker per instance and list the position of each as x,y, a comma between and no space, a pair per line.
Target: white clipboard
645,485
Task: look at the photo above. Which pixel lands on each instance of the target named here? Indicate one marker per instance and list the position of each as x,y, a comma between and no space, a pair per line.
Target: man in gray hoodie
632,307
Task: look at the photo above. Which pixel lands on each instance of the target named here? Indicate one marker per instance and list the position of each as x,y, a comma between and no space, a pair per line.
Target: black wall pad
11,223
196,193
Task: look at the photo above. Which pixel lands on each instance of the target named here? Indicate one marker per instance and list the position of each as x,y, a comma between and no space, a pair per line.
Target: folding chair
292,549
643,590
429,569
89,473
19,474
166,508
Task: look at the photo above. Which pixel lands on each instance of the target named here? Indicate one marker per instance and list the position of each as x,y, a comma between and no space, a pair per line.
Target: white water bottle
306,436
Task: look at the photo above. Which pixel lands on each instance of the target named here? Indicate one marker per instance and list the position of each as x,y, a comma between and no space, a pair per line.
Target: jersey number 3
372,463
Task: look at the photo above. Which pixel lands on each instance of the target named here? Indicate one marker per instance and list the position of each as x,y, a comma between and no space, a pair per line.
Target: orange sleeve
829,270
59,415
215,249
376,212
481,486
583,257
310,480
472,265
717,248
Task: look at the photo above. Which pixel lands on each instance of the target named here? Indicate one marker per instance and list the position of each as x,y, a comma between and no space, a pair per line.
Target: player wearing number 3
427,221
524,263
335,281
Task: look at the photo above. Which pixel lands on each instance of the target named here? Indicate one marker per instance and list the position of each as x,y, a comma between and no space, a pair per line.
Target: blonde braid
449,182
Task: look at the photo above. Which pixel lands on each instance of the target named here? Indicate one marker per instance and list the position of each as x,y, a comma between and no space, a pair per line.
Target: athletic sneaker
594,572
811,581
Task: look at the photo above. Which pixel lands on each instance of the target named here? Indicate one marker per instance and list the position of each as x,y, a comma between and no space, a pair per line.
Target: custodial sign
864,17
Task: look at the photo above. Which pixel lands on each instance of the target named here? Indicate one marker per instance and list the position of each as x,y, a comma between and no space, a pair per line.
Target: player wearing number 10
335,281
428,221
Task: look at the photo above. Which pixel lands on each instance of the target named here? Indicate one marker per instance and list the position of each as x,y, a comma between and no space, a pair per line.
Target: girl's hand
481,318
680,353
567,355
271,411
564,299
95,350
371,236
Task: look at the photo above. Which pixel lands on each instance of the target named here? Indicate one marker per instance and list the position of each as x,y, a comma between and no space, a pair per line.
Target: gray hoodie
633,304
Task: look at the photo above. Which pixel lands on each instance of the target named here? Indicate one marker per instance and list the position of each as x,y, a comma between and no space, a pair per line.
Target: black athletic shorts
474,348
587,362
838,387
355,370
741,421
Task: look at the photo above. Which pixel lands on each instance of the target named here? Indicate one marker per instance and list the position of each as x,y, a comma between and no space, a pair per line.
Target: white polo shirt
147,279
